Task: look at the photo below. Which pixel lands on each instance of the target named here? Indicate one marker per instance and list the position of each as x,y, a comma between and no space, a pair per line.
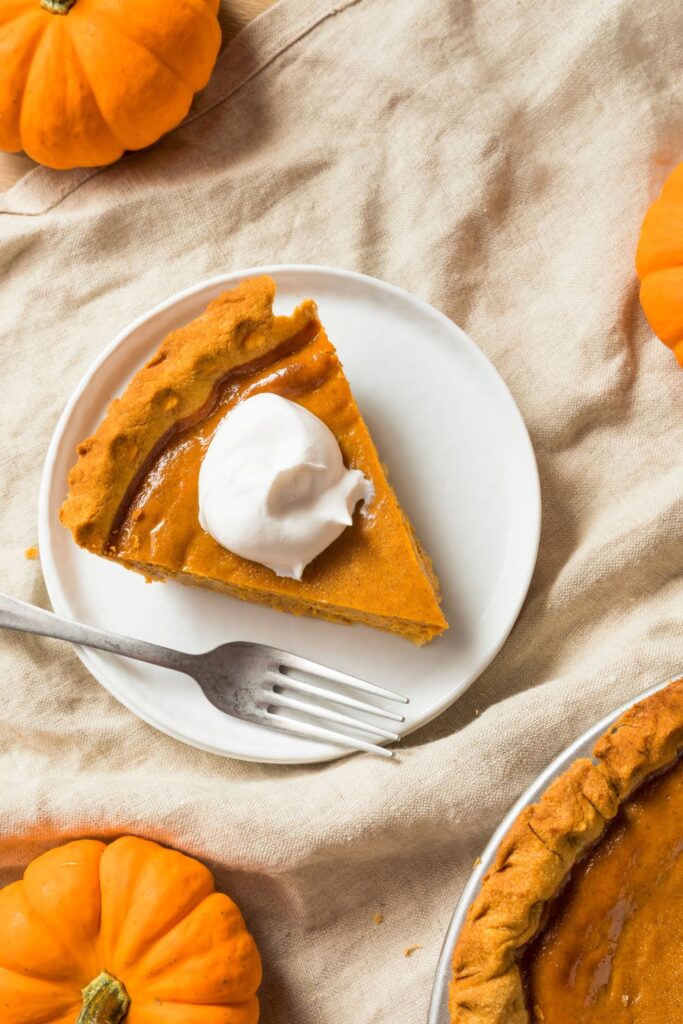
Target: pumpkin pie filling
233,388
611,951
375,573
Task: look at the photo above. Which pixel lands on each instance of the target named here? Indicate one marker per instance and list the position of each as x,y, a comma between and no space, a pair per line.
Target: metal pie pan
581,747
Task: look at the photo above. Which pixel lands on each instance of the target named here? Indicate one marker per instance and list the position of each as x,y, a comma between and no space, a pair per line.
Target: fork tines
285,676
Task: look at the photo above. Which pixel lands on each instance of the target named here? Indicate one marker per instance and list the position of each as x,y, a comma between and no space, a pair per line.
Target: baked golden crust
648,738
545,842
176,384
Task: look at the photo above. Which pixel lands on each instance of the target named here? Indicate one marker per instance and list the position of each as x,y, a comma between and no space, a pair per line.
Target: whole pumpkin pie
580,919
133,493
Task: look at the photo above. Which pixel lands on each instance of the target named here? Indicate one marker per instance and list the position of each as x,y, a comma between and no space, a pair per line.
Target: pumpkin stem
57,6
105,1001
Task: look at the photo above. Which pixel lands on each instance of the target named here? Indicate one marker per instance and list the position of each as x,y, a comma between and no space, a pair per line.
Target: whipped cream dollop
273,486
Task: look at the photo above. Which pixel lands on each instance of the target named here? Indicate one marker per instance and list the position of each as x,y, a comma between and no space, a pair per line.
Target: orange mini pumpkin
659,263
95,932
83,80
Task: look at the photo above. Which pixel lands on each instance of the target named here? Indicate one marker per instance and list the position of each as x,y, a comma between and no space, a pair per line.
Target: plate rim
51,572
581,746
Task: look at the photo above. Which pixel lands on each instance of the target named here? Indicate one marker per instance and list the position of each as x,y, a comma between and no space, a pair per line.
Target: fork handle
29,619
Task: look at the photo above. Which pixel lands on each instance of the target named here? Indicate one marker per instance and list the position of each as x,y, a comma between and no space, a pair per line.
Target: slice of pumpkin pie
258,505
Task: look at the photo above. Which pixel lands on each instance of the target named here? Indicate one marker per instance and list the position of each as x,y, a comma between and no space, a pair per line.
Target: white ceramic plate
582,747
460,460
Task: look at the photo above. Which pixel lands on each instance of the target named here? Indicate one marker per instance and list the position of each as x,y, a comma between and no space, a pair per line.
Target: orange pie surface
375,573
611,953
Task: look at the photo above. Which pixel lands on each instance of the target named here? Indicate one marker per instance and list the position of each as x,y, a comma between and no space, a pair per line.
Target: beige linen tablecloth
495,159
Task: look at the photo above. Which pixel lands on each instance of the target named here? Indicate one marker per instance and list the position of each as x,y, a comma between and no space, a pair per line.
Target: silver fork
242,679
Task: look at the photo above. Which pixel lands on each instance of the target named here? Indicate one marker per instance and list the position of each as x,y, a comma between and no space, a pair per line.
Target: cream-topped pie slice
134,491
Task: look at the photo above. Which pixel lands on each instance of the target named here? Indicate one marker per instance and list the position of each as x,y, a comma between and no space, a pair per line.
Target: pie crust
537,855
